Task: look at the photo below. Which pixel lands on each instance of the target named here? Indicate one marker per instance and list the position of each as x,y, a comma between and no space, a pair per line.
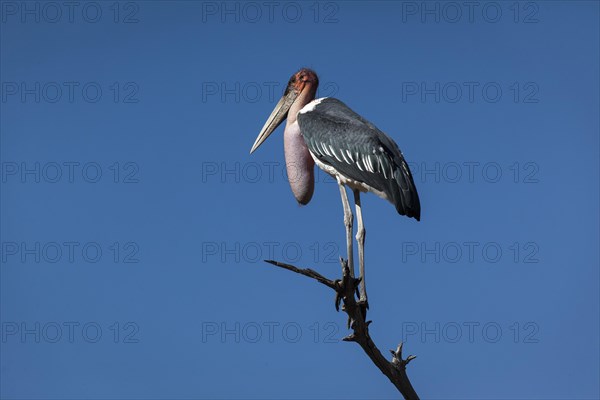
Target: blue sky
134,221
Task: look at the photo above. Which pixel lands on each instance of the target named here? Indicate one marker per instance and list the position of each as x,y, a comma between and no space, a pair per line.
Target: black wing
341,138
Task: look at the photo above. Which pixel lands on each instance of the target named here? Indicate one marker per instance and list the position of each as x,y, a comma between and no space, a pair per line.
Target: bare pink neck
299,163
307,95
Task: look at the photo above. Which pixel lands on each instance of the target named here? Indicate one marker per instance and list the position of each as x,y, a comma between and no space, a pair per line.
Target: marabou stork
345,145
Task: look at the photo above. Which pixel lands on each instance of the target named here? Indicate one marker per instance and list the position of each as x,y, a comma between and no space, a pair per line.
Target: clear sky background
134,220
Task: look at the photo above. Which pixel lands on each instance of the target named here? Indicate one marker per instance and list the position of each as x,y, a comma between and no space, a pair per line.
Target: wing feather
356,148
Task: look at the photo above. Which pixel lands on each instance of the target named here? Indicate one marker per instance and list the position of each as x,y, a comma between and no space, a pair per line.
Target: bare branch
345,289
306,272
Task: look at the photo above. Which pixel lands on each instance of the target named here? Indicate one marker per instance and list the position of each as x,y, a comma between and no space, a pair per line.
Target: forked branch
345,289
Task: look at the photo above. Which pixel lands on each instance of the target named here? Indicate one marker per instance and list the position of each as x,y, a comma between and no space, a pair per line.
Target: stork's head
300,90
301,79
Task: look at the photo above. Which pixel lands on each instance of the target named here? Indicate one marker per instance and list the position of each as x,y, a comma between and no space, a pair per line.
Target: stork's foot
342,290
363,302
347,286
364,306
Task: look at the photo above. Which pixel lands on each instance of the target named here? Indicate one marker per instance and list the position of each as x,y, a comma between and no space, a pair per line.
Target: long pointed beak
275,119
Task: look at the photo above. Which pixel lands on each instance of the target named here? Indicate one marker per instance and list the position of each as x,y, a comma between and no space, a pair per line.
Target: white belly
344,180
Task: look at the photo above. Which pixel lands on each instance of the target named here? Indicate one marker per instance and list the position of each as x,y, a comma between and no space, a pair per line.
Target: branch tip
350,338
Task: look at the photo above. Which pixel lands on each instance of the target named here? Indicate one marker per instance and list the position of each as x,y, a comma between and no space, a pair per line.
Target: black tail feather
404,193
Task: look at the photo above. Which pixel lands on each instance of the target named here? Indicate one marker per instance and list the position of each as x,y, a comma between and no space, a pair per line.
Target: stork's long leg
348,220
360,240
